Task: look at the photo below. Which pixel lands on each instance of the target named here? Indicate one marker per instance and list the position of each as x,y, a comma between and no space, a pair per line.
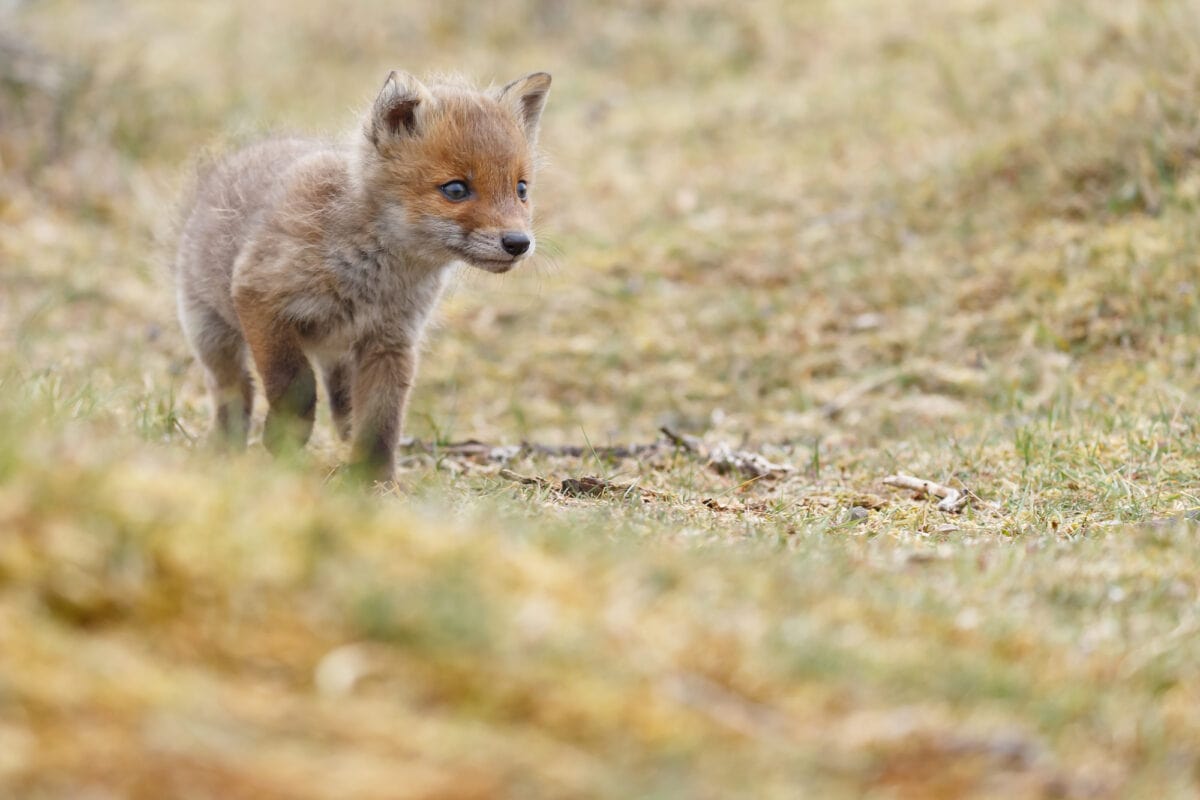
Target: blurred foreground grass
957,239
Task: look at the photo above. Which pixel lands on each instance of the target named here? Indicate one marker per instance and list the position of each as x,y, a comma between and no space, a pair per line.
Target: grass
955,239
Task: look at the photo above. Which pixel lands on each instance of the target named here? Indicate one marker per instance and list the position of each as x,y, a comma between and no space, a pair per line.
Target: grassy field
958,239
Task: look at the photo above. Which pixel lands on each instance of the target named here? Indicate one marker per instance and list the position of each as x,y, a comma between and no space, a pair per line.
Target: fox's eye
455,191
522,190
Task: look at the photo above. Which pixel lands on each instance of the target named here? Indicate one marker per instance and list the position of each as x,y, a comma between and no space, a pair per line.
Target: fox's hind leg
339,381
222,351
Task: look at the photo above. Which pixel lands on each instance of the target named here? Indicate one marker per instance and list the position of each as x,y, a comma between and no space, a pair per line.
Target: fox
308,256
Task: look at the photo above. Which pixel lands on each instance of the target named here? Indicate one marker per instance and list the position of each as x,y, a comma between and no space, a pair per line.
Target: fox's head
451,169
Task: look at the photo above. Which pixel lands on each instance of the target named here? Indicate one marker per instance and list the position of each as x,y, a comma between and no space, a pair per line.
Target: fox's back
230,200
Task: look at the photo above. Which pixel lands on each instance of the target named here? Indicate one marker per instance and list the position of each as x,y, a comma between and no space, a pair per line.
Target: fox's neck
380,226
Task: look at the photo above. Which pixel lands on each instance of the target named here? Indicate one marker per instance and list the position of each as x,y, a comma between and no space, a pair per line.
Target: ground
956,239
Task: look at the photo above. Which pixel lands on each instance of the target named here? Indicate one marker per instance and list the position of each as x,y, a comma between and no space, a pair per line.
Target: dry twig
689,443
951,500
509,475
724,460
586,486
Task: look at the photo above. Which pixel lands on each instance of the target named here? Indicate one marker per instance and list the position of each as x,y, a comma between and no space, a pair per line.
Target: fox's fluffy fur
311,253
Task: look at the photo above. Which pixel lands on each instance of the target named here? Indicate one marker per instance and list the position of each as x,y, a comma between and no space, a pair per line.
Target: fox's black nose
515,243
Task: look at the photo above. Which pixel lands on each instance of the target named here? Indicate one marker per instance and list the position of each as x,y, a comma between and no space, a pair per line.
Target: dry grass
954,239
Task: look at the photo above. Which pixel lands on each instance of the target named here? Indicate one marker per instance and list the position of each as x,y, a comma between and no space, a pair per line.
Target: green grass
953,239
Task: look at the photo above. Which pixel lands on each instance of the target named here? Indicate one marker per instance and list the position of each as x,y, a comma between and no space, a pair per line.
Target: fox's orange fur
318,254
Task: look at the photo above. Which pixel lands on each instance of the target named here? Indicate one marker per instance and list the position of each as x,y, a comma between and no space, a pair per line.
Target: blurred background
747,210
957,237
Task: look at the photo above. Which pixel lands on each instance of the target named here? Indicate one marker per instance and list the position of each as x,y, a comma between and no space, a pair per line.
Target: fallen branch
586,486
725,460
509,475
720,457
484,452
591,486
682,440
951,500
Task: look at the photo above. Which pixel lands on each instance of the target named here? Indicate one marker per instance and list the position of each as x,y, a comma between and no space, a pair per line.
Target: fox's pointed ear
397,109
527,97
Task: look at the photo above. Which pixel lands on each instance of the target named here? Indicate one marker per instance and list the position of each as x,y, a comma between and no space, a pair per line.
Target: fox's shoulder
312,184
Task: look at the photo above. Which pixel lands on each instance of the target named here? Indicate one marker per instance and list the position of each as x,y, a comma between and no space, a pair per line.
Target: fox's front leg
383,375
287,377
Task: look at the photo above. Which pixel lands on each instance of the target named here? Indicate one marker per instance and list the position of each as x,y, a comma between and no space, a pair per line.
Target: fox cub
314,255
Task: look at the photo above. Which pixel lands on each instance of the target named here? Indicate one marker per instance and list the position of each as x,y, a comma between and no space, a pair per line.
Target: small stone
341,669
858,513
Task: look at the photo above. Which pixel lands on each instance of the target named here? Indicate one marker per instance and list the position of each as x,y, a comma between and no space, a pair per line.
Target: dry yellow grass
957,239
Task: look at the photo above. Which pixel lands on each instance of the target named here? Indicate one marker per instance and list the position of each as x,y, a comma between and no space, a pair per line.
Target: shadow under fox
306,254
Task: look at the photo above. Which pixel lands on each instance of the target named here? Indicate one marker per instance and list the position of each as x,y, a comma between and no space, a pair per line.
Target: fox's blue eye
522,190
455,191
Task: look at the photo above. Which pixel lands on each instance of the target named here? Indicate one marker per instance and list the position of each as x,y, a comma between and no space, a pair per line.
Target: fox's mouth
493,265
496,265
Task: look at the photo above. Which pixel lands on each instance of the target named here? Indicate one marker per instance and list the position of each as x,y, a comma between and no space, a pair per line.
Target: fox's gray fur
307,253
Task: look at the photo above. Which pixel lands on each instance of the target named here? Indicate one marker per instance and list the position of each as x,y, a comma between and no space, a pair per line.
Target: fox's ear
526,97
396,111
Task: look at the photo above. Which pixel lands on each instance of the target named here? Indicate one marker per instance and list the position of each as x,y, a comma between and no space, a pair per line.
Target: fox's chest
406,302
388,301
